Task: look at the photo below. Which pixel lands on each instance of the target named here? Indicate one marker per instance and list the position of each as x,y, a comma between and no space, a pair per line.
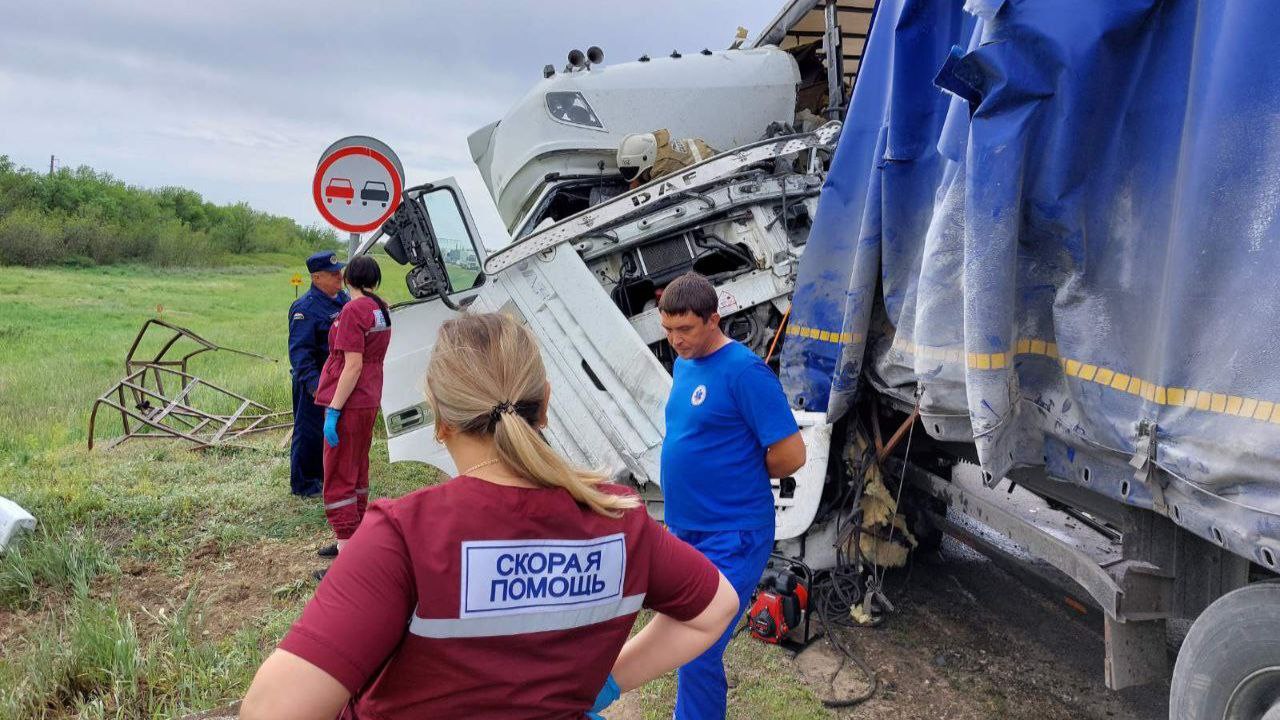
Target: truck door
608,390
410,423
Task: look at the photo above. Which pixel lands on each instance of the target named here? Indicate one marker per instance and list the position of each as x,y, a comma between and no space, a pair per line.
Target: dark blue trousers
306,454
701,686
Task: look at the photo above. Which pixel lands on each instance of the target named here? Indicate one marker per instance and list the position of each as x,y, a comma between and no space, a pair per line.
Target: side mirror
428,231
411,240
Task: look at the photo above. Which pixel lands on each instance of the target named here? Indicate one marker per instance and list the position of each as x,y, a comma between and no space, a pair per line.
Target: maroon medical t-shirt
476,600
361,327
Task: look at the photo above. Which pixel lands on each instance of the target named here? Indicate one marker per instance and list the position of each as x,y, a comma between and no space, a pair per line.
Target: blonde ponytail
486,377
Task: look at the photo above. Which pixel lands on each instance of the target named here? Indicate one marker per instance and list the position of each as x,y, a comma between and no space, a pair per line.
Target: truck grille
666,255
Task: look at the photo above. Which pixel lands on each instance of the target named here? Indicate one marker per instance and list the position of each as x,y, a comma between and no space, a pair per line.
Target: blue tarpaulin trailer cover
1061,220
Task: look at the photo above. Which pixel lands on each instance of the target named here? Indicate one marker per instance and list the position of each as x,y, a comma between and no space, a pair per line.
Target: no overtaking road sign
357,184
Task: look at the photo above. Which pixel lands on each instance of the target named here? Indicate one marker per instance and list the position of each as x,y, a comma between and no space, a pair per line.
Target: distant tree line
83,217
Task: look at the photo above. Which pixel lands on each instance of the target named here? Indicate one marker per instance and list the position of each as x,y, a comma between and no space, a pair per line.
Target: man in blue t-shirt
729,429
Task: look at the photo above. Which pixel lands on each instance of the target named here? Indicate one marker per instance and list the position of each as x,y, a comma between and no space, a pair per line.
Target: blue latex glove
331,426
608,694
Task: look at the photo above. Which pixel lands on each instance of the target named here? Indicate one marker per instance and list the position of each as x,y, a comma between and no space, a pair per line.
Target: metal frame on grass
141,397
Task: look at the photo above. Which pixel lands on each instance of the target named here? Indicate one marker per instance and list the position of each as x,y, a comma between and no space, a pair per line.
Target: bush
89,234
177,246
28,237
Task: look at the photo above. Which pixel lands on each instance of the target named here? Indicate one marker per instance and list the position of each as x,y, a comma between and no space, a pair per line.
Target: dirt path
231,587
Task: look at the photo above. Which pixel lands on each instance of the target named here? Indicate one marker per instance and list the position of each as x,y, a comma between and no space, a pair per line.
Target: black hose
719,242
838,590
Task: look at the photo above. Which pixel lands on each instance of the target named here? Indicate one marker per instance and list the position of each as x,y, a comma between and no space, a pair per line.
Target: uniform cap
324,261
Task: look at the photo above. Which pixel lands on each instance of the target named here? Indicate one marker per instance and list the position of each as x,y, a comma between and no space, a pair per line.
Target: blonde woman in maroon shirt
507,592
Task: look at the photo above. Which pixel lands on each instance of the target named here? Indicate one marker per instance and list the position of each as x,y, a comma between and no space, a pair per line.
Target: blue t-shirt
725,409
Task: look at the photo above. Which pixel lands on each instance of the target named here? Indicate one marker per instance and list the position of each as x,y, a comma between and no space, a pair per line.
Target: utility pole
50,166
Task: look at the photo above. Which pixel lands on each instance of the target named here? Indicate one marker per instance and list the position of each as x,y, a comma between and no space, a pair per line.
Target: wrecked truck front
609,387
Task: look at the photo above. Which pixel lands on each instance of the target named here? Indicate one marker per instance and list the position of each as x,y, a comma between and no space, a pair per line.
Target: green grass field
160,577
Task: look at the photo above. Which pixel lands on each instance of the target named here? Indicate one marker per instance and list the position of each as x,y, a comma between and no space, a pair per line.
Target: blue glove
331,426
608,694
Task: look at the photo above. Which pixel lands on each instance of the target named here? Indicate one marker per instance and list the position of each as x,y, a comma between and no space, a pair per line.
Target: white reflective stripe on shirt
341,503
362,491
472,627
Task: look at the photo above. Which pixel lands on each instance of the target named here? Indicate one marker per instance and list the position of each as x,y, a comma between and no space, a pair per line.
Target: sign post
357,186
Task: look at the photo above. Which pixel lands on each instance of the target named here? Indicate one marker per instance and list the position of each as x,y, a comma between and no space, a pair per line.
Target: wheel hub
1257,696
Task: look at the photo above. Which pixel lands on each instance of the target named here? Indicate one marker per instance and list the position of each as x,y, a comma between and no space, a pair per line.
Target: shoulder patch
299,316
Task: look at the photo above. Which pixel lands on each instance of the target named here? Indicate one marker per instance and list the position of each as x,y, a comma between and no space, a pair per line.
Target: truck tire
1229,665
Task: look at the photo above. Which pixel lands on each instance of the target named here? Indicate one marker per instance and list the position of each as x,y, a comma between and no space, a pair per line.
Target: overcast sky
236,99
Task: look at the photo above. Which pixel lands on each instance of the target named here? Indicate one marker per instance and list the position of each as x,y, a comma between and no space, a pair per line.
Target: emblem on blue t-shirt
699,395
508,577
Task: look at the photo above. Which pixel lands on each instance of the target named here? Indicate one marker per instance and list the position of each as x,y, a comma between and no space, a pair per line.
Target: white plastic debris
12,519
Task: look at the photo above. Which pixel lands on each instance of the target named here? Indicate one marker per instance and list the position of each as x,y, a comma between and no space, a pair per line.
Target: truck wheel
1229,665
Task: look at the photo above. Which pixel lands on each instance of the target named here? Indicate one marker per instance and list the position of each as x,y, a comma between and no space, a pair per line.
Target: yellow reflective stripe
839,338
1233,404
1263,412
929,352
1204,400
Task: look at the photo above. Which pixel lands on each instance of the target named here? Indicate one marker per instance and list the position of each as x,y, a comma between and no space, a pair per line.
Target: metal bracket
1143,463
1146,591
1135,638
1135,653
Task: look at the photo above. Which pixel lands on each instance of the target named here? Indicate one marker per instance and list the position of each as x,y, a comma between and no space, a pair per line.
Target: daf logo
699,395
667,187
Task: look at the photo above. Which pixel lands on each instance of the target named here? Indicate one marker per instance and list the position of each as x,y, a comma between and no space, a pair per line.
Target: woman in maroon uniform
350,389
506,592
